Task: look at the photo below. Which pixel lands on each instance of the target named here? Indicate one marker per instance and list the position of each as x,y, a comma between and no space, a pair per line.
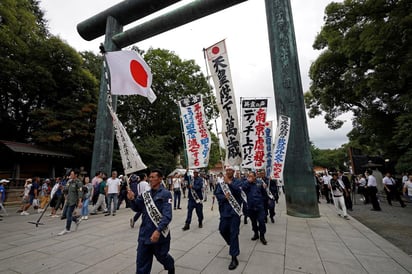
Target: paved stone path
328,244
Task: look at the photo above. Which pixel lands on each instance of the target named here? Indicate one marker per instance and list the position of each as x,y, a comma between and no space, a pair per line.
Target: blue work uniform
256,208
197,186
272,185
145,248
229,219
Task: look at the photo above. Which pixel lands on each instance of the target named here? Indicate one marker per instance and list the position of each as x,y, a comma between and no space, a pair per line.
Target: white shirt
177,183
142,186
388,181
326,179
408,185
113,185
372,181
362,182
337,192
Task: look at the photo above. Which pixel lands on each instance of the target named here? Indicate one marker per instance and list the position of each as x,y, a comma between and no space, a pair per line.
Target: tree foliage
332,159
366,68
47,96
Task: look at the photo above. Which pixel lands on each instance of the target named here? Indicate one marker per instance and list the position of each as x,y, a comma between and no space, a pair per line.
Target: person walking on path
348,187
372,190
87,185
407,188
155,207
3,195
74,198
113,190
391,190
256,209
228,195
338,192
177,190
101,201
195,195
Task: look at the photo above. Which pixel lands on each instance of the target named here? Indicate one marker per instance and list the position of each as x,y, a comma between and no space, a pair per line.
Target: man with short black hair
155,206
195,200
74,198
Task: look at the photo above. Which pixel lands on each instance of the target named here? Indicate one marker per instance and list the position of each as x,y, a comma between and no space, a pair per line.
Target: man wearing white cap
3,195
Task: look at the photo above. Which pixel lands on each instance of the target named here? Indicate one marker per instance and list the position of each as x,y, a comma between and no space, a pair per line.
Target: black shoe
107,214
200,225
263,240
234,263
93,213
373,209
272,220
179,208
62,217
403,205
255,237
186,227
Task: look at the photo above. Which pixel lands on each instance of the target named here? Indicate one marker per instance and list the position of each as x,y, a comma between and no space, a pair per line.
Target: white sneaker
63,232
24,213
86,217
82,217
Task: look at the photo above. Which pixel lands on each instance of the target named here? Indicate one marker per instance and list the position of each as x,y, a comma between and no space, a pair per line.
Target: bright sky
245,29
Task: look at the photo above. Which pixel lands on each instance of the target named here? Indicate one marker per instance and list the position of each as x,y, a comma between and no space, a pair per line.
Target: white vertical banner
281,145
130,157
197,136
225,98
268,148
253,133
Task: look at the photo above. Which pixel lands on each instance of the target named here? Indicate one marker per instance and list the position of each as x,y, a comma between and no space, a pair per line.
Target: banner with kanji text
225,99
197,136
281,145
253,133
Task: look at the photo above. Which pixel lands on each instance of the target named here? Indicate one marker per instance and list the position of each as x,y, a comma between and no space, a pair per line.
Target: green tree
173,79
332,159
47,96
366,68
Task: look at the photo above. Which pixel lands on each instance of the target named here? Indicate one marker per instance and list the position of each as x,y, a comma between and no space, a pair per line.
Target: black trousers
372,190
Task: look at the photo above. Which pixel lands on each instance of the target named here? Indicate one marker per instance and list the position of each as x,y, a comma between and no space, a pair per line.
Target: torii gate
301,200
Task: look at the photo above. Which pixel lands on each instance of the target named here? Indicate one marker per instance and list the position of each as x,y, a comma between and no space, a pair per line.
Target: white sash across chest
153,212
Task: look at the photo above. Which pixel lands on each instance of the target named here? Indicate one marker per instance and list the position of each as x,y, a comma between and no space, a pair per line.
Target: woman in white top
407,188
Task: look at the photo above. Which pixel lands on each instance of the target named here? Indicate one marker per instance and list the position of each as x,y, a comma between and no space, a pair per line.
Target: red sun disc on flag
138,72
215,50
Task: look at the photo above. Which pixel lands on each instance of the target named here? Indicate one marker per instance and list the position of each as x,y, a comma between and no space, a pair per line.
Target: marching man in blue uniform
228,195
155,206
256,210
195,200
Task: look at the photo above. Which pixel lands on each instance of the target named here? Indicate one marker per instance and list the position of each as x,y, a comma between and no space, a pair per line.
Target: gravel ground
393,223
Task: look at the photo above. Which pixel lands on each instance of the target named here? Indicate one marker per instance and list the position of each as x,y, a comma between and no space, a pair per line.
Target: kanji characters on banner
197,136
281,145
130,157
253,133
268,148
225,98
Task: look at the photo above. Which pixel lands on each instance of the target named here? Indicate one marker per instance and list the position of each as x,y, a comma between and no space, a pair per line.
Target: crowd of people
251,195
338,189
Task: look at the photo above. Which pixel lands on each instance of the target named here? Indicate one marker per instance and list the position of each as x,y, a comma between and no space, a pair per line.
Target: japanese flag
129,74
